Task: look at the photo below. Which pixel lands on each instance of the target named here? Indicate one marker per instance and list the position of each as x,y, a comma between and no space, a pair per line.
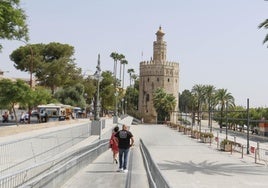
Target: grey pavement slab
185,162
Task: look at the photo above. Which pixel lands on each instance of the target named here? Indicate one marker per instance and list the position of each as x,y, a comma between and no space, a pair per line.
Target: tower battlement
152,62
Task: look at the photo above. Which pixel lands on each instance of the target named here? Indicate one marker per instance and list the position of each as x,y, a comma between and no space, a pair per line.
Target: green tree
164,104
41,95
115,57
14,92
90,90
224,99
107,92
124,63
71,95
209,99
52,64
28,58
264,25
12,21
185,104
198,94
132,100
130,72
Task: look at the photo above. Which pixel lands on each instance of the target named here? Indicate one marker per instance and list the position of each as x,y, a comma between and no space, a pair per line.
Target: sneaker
120,170
116,162
125,170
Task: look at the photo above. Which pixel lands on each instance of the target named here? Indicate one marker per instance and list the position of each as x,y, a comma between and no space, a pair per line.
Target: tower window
147,97
158,79
148,79
168,79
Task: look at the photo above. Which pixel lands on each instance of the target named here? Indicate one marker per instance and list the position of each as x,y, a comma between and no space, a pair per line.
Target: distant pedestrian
12,116
26,117
125,141
22,117
114,145
5,117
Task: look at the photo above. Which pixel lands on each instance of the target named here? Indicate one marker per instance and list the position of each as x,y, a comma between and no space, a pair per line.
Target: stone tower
154,74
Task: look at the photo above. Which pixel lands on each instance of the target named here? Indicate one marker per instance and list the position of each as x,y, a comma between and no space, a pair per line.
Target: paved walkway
184,162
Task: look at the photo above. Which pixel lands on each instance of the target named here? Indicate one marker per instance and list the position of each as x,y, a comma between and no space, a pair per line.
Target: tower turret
160,45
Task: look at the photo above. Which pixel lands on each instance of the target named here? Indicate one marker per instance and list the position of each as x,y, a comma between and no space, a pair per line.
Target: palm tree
223,98
115,57
123,62
120,58
264,24
198,93
130,72
164,104
209,93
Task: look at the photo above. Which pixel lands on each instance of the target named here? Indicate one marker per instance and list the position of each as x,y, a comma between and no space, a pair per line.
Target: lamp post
98,77
122,105
116,107
226,112
247,126
125,106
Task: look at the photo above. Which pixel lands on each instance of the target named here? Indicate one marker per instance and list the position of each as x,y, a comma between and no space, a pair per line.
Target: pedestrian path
184,163
103,173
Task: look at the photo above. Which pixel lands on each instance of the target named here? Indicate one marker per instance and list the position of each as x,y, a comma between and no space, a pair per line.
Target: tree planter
188,131
181,129
226,145
206,139
195,134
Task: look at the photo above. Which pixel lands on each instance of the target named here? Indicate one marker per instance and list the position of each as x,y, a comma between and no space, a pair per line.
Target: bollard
258,150
217,140
256,155
242,151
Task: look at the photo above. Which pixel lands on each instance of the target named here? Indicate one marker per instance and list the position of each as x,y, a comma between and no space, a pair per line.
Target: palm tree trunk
123,75
120,74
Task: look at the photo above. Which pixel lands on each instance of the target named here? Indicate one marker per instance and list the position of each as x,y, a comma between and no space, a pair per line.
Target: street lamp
247,126
122,105
97,76
115,119
226,112
125,106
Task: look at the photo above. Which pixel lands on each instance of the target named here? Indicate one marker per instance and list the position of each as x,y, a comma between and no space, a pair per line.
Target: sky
215,42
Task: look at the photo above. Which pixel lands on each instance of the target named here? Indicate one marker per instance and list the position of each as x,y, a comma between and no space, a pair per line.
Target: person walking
125,141
114,144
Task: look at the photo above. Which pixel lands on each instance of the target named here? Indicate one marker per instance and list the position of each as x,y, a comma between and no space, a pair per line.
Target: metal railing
155,177
23,153
49,173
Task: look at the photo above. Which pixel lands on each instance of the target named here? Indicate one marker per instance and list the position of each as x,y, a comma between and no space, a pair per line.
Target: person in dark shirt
125,141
